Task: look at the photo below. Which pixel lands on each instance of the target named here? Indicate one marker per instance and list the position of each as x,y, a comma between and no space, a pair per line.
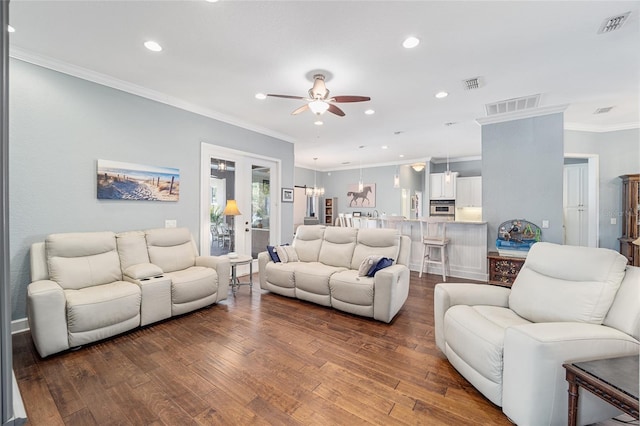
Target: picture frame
357,214
287,195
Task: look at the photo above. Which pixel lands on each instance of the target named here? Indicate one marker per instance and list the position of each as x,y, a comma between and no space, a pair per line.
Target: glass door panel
260,208
222,188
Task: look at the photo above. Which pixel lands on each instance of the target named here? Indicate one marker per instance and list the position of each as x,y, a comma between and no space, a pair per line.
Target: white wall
60,125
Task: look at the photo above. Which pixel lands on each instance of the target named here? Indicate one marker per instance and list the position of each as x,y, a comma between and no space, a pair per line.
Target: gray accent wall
61,125
522,174
619,154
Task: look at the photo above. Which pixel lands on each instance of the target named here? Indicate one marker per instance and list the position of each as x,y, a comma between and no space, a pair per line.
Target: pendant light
360,182
447,174
315,191
396,178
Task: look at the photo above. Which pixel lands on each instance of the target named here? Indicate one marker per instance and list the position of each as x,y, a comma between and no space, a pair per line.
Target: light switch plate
545,224
614,220
170,223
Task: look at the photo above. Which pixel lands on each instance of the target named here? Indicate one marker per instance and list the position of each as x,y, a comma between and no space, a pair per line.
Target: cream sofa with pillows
92,285
323,266
567,304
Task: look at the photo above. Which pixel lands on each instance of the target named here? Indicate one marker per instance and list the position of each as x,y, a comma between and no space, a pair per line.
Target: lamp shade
318,107
637,242
231,209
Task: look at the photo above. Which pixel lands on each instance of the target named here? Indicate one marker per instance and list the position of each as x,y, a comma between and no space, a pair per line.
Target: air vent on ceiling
613,23
472,83
512,105
603,110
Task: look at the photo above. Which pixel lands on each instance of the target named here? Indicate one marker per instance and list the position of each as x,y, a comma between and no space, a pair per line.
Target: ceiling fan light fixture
318,107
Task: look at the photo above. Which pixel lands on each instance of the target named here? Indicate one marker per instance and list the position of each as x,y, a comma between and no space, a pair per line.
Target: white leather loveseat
326,271
567,304
93,285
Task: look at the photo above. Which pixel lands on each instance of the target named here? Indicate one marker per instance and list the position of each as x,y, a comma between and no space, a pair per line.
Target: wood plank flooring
258,359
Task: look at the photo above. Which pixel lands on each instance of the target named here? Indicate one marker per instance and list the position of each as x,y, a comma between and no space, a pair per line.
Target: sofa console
93,285
326,270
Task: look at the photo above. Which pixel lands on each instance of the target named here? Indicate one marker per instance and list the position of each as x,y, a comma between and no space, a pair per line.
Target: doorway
580,200
239,202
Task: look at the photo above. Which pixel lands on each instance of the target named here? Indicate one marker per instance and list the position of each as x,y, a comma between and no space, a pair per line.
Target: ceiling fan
319,101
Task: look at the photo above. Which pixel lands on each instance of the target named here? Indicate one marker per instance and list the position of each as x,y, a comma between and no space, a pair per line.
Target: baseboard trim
19,326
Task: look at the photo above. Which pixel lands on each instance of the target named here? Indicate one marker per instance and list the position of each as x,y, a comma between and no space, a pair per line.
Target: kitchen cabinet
441,188
469,191
631,218
576,205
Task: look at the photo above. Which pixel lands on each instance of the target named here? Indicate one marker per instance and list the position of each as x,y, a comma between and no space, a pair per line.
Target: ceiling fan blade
303,108
337,111
285,96
350,98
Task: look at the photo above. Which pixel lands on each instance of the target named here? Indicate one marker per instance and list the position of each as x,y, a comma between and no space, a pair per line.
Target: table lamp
637,242
231,209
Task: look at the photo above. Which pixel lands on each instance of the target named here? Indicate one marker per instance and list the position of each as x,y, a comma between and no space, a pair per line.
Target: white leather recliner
567,304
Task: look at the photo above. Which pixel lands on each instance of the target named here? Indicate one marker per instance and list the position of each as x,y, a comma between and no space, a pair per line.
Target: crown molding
518,115
581,127
403,162
114,83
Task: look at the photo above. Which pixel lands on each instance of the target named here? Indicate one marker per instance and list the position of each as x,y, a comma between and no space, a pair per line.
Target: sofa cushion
132,248
78,260
381,242
281,274
313,277
624,314
349,287
567,283
476,334
100,306
337,246
308,241
171,248
194,283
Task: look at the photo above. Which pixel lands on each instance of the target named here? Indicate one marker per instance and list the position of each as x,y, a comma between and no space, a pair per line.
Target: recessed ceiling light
441,95
261,96
11,29
211,1
318,123
401,156
410,42
369,112
385,147
152,46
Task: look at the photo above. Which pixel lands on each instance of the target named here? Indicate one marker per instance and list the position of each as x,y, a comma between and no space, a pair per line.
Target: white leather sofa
326,272
93,285
567,304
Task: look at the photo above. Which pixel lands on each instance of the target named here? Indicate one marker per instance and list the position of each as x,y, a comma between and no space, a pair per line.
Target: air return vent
512,105
613,23
603,110
472,83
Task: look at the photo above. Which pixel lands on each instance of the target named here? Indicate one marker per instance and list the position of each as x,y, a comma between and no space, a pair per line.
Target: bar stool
434,238
393,222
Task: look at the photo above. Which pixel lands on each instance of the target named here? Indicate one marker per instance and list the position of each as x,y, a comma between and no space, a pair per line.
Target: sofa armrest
222,267
451,294
391,288
263,260
534,386
46,310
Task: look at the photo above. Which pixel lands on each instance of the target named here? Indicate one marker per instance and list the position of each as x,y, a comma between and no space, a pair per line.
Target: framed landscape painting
127,181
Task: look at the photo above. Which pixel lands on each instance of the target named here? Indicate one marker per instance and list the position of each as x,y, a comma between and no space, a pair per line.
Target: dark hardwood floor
258,359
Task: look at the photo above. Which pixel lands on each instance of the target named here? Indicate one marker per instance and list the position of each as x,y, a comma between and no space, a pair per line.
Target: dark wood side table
503,270
615,380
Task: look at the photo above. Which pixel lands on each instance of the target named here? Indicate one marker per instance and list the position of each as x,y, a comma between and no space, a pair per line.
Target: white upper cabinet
440,188
469,192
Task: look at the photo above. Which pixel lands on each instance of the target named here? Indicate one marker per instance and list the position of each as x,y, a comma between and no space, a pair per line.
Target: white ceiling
218,55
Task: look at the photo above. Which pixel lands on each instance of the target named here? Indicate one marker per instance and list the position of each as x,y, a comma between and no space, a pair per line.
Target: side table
242,259
615,380
503,270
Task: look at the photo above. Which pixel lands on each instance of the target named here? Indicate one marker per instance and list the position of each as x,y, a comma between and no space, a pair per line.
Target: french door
240,209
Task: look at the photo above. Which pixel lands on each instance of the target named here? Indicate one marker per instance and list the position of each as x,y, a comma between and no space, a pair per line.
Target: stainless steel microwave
442,208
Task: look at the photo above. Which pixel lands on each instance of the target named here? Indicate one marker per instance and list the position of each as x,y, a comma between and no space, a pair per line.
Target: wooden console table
503,270
615,380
